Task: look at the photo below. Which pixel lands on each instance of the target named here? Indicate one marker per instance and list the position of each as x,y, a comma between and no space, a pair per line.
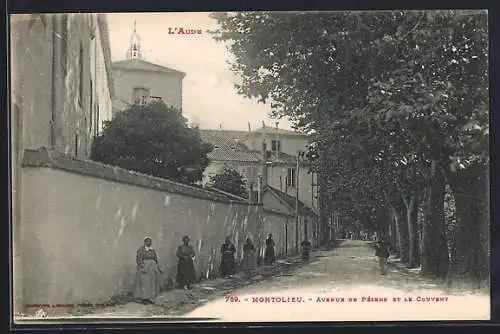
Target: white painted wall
289,144
165,85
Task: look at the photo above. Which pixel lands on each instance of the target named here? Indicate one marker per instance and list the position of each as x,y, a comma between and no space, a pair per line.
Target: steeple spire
134,52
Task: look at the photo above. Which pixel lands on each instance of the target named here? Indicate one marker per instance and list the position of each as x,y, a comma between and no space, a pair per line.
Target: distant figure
306,249
228,263
185,266
249,262
269,256
148,273
382,252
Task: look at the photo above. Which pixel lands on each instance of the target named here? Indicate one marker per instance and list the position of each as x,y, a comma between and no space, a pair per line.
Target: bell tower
134,51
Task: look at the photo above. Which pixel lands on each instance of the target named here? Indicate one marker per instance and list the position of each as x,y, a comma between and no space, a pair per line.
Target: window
85,138
80,63
141,96
96,119
276,145
291,177
76,145
91,107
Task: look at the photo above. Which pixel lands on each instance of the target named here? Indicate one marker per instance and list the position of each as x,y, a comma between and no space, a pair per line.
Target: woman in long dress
228,263
269,256
185,266
249,262
148,273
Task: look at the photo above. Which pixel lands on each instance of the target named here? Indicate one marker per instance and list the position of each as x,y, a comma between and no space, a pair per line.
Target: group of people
249,262
148,277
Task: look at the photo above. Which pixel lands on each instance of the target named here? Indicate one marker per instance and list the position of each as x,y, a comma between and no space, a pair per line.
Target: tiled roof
232,155
271,130
290,200
225,139
229,146
139,64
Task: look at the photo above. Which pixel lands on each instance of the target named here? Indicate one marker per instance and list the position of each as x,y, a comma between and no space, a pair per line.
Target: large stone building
243,151
139,81
61,91
61,82
267,157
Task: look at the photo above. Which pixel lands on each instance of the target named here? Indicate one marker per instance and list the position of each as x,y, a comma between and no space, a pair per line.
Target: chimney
250,138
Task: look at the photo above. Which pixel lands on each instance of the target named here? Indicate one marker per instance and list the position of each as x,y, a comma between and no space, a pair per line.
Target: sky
209,96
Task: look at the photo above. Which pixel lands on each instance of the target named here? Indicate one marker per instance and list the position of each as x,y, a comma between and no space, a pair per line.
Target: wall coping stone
46,158
278,213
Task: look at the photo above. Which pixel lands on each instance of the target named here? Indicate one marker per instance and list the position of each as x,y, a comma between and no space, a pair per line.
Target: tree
230,181
440,91
153,139
399,104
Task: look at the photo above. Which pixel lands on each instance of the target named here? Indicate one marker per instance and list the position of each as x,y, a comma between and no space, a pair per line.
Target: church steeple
134,52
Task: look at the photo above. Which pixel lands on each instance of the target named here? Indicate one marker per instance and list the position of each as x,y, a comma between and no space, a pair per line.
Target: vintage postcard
250,166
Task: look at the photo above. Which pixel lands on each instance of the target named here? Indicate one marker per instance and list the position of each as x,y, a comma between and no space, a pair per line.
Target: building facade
304,226
138,81
280,174
61,81
243,151
101,74
61,90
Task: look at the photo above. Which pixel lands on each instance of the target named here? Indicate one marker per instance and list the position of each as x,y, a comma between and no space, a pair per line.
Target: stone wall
82,223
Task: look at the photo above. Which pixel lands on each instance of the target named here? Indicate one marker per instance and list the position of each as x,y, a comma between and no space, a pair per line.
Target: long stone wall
82,223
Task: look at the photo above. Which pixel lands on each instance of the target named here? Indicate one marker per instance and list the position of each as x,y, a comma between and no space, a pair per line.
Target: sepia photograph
187,167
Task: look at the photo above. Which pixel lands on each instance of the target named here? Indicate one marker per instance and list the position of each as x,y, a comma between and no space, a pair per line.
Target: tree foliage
153,139
398,102
230,181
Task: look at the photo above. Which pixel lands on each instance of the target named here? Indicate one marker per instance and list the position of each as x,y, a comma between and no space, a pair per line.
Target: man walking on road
382,253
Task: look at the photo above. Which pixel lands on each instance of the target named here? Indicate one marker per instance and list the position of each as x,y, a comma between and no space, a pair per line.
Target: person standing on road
148,275
382,252
249,262
185,266
228,263
269,255
306,249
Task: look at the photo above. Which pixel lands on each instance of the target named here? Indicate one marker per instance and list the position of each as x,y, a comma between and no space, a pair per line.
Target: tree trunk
323,210
393,237
435,259
385,223
402,234
396,233
413,242
471,261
